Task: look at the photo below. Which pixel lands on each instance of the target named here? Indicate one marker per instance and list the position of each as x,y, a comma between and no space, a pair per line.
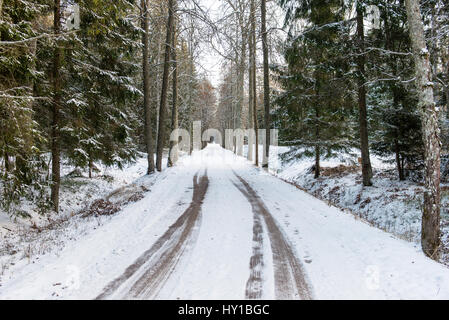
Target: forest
93,94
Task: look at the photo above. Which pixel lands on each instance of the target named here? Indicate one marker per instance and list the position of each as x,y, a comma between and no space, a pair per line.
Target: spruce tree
314,112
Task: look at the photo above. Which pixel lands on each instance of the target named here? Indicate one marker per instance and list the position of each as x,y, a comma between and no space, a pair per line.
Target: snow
344,257
224,245
390,204
349,258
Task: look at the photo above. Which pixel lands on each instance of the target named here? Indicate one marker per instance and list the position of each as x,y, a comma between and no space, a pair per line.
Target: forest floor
216,227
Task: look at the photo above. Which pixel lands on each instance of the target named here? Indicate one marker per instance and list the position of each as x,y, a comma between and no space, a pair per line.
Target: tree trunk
367,172
55,134
317,146
163,105
157,87
446,87
174,114
241,79
250,101
396,104
146,85
251,63
430,232
317,161
254,80
7,163
446,90
266,82
399,163
91,165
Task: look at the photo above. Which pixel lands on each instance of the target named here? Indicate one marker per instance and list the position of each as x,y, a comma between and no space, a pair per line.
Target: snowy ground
26,239
77,192
390,204
339,255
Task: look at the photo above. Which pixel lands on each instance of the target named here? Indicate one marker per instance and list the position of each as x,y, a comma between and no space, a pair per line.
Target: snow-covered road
216,227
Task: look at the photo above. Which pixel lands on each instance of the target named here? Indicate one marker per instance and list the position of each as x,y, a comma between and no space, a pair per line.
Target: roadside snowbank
390,204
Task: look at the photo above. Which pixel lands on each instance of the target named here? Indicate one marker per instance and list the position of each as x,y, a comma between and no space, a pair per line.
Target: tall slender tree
163,103
173,152
266,81
56,105
250,153
252,77
147,85
430,233
367,172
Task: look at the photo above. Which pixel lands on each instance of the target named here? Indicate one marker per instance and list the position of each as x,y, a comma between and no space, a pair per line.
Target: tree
397,129
207,101
101,100
174,115
56,105
163,102
363,123
266,82
314,110
146,84
394,121
22,175
430,232
252,82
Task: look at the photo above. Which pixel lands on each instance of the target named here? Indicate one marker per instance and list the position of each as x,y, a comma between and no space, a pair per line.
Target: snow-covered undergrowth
24,240
391,205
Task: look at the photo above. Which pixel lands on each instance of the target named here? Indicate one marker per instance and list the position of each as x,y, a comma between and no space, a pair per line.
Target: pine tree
102,94
314,112
21,138
397,126
392,98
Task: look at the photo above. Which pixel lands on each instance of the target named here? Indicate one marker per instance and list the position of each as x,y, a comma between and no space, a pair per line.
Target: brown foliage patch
101,208
339,170
365,202
135,197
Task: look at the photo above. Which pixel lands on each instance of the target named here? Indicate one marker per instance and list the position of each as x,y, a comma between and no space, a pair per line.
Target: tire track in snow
255,282
289,276
160,260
